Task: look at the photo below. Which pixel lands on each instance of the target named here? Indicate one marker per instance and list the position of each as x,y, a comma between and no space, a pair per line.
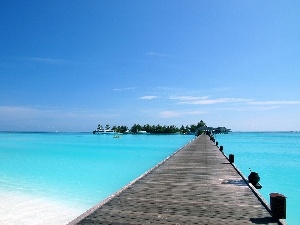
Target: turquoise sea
51,178
275,156
65,174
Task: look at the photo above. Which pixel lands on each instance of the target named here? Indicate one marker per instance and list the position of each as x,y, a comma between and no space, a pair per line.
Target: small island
194,129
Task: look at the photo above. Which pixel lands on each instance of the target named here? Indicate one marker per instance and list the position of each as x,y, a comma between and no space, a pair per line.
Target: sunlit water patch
64,174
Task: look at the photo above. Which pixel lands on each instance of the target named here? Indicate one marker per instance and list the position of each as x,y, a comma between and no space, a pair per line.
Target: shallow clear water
81,169
275,156
70,172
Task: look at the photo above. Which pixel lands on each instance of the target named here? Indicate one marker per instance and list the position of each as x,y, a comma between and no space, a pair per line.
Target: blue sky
70,65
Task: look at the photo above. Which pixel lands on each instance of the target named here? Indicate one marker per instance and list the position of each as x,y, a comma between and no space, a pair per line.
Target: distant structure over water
211,130
194,129
101,130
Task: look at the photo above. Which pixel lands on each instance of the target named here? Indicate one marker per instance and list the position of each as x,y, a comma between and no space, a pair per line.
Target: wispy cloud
217,101
206,100
274,102
265,108
174,114
18,110
188,98
155,54
25,112
220,89
34,118
191,100
149,97
124,89
47,60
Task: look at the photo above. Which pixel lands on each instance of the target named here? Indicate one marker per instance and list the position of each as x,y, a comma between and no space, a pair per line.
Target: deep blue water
276,158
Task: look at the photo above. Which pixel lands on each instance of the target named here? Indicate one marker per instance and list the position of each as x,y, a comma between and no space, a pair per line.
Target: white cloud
124,89
206,101
220,89
188,98
274,102
265,108
18,110
159,54
149,97
47,60
168,114
34,118
217,101
173,114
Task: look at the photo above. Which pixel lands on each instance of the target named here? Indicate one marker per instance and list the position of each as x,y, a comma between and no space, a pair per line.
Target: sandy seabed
17,208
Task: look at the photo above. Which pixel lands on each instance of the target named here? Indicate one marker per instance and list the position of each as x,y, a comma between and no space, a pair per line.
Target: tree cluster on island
153,129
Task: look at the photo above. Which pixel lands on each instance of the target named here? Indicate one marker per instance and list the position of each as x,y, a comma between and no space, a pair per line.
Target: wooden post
231,158
278,205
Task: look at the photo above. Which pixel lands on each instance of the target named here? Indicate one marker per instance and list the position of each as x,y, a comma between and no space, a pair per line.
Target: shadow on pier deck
197,185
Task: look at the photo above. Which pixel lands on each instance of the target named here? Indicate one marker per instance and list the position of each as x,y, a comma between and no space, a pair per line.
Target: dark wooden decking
197,185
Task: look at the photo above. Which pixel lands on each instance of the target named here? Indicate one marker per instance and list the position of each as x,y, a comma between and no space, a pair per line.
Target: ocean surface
51,178
275,156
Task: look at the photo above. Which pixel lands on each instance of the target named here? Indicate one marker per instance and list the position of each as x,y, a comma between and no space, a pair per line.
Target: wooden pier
196,185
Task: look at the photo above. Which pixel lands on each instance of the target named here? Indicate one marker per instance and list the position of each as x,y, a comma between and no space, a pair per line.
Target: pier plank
197,185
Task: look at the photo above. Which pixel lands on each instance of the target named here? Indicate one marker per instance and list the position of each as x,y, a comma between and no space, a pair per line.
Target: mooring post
221,148
278,205
231,158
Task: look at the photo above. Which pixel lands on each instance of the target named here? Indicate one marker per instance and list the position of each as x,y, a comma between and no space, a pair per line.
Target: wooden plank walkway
197,185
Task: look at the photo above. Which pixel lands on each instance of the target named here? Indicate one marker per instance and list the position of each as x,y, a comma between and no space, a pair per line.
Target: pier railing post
231,158
278,205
